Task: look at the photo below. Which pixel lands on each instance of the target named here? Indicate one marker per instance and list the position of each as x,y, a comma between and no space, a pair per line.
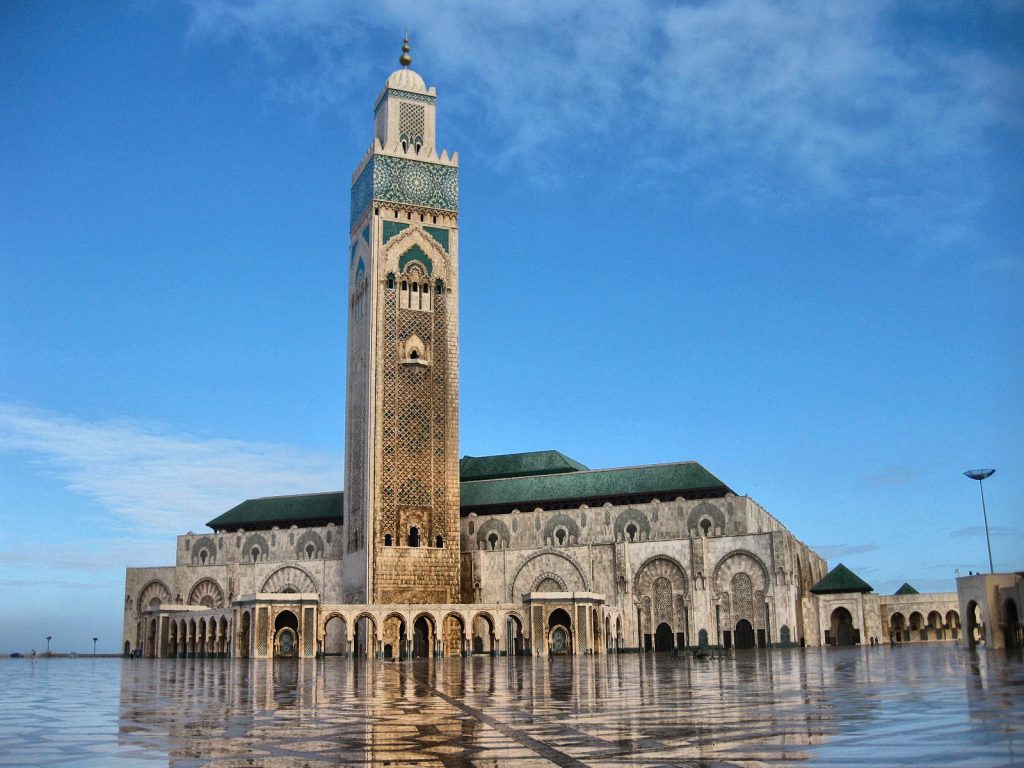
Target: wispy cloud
153,481
827,99
994,530
832,551
889,477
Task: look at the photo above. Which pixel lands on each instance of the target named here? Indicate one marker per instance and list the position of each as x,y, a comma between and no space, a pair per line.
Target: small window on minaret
405,286
414,355
387,539
414,536
439,542
391,282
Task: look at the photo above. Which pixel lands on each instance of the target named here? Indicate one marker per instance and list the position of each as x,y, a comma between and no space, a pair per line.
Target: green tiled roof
516,465
304,509
841,579
906,589
501,484
688,479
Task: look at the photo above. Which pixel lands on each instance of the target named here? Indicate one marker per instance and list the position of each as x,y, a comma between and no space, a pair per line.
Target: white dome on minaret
407,80
404,118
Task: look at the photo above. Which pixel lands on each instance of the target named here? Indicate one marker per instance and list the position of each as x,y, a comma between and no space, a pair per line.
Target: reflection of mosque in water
490,711
427,555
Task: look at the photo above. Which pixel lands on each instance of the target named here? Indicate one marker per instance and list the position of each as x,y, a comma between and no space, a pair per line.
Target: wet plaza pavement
868,706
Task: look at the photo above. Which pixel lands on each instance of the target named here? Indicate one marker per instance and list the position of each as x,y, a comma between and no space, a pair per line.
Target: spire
405,59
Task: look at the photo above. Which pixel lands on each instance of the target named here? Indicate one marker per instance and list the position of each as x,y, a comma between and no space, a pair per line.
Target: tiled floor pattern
914,706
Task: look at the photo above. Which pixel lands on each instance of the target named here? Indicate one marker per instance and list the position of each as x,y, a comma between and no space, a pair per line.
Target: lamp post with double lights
980,475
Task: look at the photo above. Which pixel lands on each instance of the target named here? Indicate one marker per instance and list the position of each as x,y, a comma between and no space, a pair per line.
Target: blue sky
781,239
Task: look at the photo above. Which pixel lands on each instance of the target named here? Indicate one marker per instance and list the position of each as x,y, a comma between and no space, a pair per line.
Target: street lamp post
48,638
94,645
980,475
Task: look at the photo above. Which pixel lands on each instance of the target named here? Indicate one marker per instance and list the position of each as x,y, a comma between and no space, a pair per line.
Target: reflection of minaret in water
402,411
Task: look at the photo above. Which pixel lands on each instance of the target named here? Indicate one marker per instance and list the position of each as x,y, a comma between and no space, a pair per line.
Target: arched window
631,532
255,552
203,556
414,536
439,542
387,540
560,535
310,550
705,526
493,540
391,281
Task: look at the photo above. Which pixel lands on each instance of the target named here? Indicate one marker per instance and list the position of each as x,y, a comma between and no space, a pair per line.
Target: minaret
402,413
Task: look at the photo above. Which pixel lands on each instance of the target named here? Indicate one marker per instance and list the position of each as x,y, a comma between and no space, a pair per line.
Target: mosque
426,554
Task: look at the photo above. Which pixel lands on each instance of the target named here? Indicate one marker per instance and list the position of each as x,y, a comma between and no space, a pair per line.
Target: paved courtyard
914,705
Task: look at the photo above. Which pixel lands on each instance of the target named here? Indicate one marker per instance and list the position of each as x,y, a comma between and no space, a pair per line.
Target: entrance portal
744,635
560,635
286,637
663,638
842,627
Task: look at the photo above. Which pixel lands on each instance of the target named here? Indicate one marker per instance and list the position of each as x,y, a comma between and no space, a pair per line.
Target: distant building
523,553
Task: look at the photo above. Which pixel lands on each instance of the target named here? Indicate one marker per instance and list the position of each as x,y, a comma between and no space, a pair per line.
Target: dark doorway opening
663,638
744,635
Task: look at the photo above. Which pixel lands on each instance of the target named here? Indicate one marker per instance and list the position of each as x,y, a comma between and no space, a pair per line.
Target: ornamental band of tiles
523,553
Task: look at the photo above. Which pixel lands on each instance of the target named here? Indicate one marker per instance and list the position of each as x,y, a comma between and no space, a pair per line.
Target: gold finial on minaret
405,59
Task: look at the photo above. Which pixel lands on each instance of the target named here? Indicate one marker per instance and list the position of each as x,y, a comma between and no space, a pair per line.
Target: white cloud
832,551
153,482
819,99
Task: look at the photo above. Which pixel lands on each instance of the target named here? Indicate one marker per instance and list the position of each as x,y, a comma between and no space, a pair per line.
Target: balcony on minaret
414,352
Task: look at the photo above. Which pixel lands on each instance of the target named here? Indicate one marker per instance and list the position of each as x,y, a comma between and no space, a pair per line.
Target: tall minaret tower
402,413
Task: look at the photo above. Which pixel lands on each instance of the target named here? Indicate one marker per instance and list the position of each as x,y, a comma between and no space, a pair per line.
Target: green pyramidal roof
841,579
906,589
305,509
516,465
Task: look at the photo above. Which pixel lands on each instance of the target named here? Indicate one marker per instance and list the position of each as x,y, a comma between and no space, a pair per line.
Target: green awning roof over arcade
841,579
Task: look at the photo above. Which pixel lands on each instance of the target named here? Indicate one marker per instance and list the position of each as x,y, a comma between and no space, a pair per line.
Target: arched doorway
916,626
744,635
286,635
365,638
841,629
953,622
975,627
127,648
483,634
394,637
453,635
514,641
243,636
663,637
897,627
1011,631
335,636
559,633
422,638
